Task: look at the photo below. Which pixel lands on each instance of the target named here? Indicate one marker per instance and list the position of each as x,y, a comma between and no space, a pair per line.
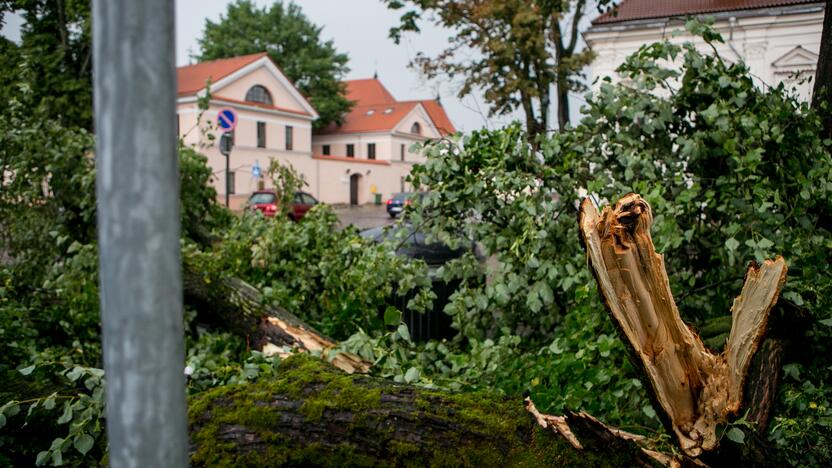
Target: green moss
483,429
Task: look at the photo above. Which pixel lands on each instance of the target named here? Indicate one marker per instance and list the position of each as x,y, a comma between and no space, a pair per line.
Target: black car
433,324
412,244
396,204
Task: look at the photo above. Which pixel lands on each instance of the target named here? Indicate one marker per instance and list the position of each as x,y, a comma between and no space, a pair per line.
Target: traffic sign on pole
227,119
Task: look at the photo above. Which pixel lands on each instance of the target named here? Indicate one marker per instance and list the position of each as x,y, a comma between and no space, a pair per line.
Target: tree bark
235,305
693,390
563,106
822,94
315,415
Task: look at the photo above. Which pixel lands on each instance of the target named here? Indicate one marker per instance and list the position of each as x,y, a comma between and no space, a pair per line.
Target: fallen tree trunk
693,390
233,304
315,415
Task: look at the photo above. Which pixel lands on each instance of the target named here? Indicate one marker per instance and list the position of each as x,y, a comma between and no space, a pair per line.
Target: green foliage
286,182
333,279
220,358
53,60
516,51
292,42
200,213
49,298
73,401
733,173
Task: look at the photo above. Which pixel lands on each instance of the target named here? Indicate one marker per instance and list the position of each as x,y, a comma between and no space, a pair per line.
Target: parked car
265,201
434,324
412,244
396,204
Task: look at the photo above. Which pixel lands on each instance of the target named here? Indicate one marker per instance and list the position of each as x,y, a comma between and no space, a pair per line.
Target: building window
231,175
289,142
259,94
416,128
371,150
350,150
402,152
178,132
325,150
402,180
261,134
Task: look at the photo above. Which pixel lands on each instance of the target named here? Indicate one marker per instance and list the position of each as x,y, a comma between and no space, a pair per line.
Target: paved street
363,216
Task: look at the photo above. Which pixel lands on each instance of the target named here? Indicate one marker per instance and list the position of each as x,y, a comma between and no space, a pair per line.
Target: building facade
779,40
372,151
274,121
369,153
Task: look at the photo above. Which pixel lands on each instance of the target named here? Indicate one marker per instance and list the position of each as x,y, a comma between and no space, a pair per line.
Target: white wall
758,37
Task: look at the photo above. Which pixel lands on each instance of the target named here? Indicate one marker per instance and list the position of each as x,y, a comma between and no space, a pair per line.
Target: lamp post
137,185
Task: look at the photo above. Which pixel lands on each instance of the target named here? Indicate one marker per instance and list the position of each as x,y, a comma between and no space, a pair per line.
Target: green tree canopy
295,45
53,59
522,50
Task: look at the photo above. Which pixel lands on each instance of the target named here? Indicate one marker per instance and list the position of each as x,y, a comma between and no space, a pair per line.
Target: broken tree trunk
316,415
235,305
693,390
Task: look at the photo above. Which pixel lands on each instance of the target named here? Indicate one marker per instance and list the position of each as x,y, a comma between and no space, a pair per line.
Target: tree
523,48
822,95
54,58
295,45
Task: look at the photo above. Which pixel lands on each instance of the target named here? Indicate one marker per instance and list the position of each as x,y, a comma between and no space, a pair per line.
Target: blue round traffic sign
227,119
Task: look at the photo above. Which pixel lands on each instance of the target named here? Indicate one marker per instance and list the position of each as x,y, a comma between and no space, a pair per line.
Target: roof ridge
224,59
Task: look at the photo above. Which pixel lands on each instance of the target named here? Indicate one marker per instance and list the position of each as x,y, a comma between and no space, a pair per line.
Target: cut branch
692,389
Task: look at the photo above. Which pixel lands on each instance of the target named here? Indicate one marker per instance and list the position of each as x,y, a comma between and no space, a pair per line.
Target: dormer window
416,128
259,94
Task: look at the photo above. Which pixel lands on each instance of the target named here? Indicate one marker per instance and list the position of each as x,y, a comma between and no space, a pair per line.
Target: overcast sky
358,28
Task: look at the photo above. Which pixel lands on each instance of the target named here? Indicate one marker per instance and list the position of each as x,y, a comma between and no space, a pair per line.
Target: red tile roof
630,10
191,78
439,116
368,92
376,110
374,118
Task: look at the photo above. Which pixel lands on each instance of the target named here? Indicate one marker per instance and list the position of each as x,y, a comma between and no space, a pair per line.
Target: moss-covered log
694,391
316,415
233,304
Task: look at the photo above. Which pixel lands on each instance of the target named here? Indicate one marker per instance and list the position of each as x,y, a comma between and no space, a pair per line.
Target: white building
779,40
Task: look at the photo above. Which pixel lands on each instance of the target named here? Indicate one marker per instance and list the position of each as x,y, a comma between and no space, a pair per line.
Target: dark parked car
434,324
396,204
265,201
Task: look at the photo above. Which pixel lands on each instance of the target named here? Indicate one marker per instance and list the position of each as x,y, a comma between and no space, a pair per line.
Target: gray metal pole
227,178
138,232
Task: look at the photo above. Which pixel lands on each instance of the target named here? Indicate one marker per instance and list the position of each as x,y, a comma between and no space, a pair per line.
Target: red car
265,201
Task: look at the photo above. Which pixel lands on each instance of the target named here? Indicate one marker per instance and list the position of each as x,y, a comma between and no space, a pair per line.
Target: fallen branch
233,304
315,415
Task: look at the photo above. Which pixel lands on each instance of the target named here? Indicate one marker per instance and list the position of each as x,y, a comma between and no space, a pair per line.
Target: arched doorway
355,180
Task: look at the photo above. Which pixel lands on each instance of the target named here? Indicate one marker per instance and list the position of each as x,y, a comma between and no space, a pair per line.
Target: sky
358,28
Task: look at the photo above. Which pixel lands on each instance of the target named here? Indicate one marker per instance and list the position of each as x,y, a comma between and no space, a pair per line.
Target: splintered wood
695,389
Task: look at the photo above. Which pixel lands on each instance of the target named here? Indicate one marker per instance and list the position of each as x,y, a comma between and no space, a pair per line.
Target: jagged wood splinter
694,389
